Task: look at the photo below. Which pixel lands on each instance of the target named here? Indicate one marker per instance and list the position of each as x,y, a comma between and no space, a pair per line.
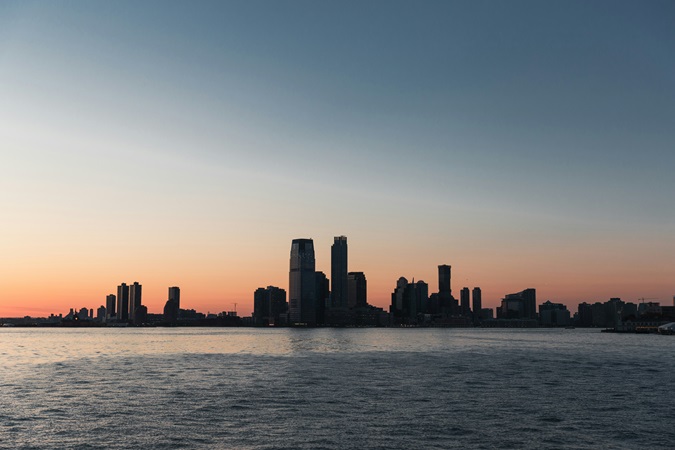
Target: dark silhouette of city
342,301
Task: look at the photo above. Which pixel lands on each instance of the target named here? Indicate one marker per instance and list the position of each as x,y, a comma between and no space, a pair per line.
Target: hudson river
335,388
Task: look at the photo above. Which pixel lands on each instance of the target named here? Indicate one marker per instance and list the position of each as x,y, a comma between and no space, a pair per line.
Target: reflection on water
334,388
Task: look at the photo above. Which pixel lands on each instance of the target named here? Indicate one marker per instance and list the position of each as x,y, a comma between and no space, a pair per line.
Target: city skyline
312,297
525,144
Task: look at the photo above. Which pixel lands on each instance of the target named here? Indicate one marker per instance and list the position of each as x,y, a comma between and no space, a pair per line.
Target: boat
668,328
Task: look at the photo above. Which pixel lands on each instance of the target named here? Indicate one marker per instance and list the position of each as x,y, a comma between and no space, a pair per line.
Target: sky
525,143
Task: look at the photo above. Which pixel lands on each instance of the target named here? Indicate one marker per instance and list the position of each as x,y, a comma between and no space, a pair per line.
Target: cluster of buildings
313,299
342,300
624,316
127,306
126,309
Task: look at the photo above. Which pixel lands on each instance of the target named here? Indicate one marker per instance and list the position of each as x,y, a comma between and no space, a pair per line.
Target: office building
322,296
135,291
447,304
421,297
269,305
141,314
110,301
357,290
521,305
396,307
464,301
302,283
174,294
338,272
122,302
444,280
408,300
477,302
554,314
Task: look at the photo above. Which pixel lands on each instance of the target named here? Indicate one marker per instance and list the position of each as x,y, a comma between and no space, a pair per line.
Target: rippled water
335,388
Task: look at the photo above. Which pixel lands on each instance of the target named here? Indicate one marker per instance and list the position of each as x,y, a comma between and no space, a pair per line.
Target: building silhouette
302,283
338,273
122,302
322,296
174,294
521,305
444,279
357,290
421,297
465,301
172,305
444,302
269,306
110,301
100,314
554,314
170,311
141,314
397,297
407,301
135,291
477,303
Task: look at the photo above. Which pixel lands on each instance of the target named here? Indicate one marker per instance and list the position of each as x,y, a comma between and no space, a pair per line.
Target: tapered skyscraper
302,283
338,270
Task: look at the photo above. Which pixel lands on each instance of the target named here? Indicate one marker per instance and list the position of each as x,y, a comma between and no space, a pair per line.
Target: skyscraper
122,302
135,291
421,297
174,294
444,280
357,290
302,283
477,302
521,305
446,302
110,306
338,272
269,304
322,296
464,301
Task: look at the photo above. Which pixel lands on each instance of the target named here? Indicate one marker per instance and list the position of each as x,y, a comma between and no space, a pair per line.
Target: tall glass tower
174,294
135,291
302,283
444,280
338,273
122,302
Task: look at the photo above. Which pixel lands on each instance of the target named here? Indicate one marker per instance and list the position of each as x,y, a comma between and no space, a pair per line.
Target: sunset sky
525,143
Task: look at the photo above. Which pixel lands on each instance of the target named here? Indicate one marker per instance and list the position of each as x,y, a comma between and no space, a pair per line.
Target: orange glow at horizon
214,282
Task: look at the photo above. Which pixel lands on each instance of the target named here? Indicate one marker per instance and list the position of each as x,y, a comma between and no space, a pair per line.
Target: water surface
335,388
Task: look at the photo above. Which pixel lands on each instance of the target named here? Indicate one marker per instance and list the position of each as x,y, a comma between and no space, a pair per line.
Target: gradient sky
526,143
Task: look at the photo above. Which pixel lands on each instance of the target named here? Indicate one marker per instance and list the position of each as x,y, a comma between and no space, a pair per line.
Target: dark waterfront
335,388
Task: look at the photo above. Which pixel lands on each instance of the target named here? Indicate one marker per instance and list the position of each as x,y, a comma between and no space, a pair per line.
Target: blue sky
510,125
